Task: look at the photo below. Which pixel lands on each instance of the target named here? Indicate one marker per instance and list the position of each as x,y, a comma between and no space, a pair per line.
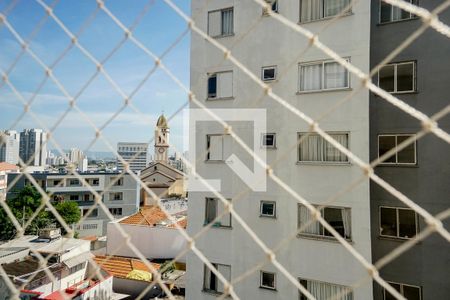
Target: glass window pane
268,209
386,78
268,280
212,86
407,155
334,7
334,217
407,221
405,77
269,74
388,221
268,140
388,296
385,12
335,76
311,77
386,143
411,292
227,22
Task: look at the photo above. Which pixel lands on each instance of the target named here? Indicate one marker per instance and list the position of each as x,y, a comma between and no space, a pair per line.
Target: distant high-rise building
9,147
32,147
133,153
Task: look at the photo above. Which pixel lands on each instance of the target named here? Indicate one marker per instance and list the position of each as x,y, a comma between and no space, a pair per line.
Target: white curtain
227,22
331,152
311,148
215,147
334,7
224,84
346,219
324,291
225,270
396,13
311,10
305,217
226,219
311,77
211,209
335,76
207,278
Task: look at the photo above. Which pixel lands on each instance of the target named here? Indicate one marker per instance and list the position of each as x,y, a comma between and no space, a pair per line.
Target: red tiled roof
150,216
4,166
121,266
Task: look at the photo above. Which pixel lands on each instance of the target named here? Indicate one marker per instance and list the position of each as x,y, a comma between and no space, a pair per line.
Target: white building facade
9,146
133,153
307,79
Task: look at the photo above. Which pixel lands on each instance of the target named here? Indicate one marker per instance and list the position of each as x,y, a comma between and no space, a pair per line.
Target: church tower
161,140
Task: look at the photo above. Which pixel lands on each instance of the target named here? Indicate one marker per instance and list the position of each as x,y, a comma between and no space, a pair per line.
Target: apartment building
9,146
307,79
33,147
120,195
419,75
133,153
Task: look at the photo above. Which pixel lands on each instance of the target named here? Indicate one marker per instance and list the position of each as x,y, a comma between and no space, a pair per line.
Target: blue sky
158,29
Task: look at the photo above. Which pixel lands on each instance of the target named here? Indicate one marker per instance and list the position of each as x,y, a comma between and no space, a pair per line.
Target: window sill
350,13
318,163
321,238
346,89
222,98
268,217
398,165
395,239
269,81
215,293
397,21
219,226
214,161
268,288
223,36
269,147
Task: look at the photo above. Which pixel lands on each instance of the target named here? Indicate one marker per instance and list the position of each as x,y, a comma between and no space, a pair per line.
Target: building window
324,290
213,284
216,145
95,181
86,197
116,196
117,182
391,13
268,140
268,209
267,280
215,207
311,10
323,75
338,217
398,222
74,182
398,77
74,197
93,214
220,85
76,268
56,182
273,7
220,22
410,292
314,148
406,156
116,211
268,73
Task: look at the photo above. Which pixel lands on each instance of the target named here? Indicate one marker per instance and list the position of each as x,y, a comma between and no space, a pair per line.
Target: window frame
322,236
412,16
301,279
206,269
322,162
397,219
208,141
322,78
396,64
275,73
221,28
396,163
261,285
113,194
261,214
323,18
263,135
215,74
217,224
401,289
111,209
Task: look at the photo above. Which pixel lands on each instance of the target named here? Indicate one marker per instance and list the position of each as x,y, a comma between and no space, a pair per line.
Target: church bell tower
161,140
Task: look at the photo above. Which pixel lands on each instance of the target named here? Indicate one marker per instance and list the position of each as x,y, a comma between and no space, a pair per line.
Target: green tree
24,206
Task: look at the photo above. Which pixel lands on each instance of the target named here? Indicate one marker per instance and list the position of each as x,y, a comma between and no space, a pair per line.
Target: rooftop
153,216
4,166
121,266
